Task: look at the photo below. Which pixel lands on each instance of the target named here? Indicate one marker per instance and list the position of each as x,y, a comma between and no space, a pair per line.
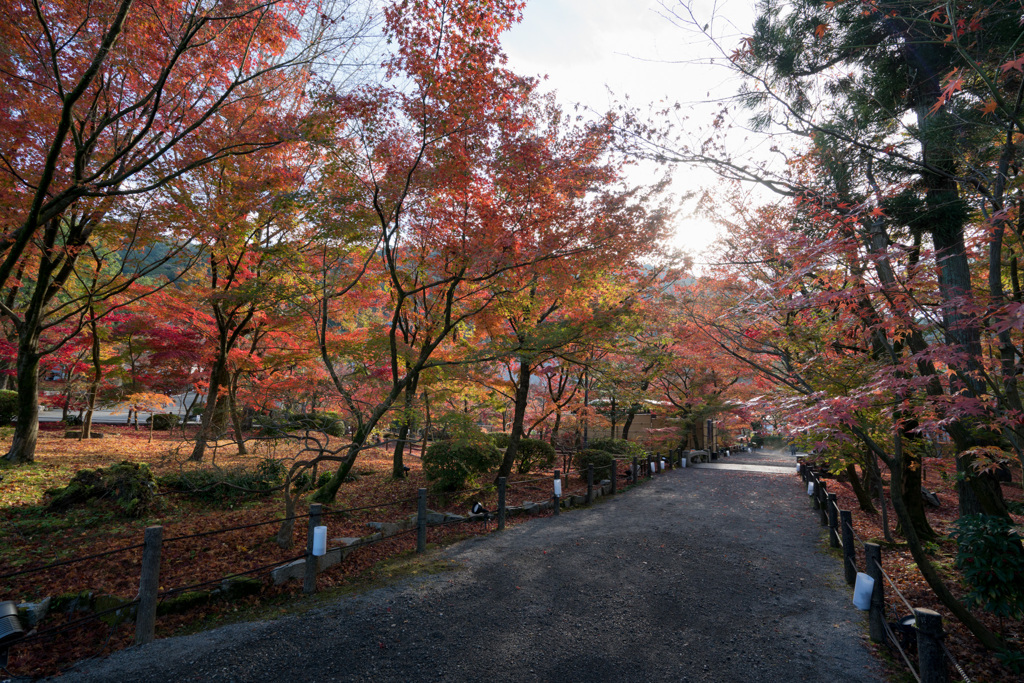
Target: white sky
633,49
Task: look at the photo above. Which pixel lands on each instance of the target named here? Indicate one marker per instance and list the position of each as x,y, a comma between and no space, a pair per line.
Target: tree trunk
207,424
521,398
989,639
628,422
554,428
97,375
911,481
26,431
863,497
236,420
397,464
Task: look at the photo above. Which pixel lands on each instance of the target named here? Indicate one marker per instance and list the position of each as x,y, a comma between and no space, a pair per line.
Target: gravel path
699,575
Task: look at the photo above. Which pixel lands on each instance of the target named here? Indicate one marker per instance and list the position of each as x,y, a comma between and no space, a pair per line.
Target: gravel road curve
699,575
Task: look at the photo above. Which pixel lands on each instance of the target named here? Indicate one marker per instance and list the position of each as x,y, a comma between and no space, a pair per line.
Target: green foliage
618,447
127,485
8,406
454,464
534,453
1012,660
221,485
458,426
602,461
530,454
328,422
991,557
304,479
163,421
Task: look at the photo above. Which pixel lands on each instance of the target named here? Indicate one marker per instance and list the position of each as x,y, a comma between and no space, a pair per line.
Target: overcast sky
632,48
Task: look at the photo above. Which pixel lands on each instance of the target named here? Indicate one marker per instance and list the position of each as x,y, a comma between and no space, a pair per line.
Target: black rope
183,589
39,635
214,532
72,561
369,507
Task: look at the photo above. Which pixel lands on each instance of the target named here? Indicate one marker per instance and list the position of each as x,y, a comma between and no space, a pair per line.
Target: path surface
699,575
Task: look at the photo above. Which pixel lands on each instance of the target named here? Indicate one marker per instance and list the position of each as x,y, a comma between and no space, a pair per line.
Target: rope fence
144,607
921,628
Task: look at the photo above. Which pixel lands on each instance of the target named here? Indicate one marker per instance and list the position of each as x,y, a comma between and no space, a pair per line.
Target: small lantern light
653,467
663,464
558,488
862,590
683,461
810,488
319,541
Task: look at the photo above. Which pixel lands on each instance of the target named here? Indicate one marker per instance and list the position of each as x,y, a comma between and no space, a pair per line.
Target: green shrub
602,460
531,453
991,557
8,406
128,485
534,453
453,465
304,480
163,421
617,447
220,485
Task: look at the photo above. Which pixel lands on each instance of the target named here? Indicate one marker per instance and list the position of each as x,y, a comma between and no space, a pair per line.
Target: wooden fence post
930,656
590,483
876,615
501,503
421,522
822,502
615,475
849,552
555,498
650,470
309,578
149,586
833,521
668,457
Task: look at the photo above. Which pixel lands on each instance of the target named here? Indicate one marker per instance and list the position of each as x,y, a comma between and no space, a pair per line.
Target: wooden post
309,579
930,656
501,503
615,474
650,471
876,615
822,502
421,522
668,458
149,585
833,521
817,489
555,498
849,552
590,483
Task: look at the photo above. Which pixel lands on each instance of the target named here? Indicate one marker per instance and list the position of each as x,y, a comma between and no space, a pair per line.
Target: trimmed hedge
453,465
602,460
618,447
163,421
534,453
